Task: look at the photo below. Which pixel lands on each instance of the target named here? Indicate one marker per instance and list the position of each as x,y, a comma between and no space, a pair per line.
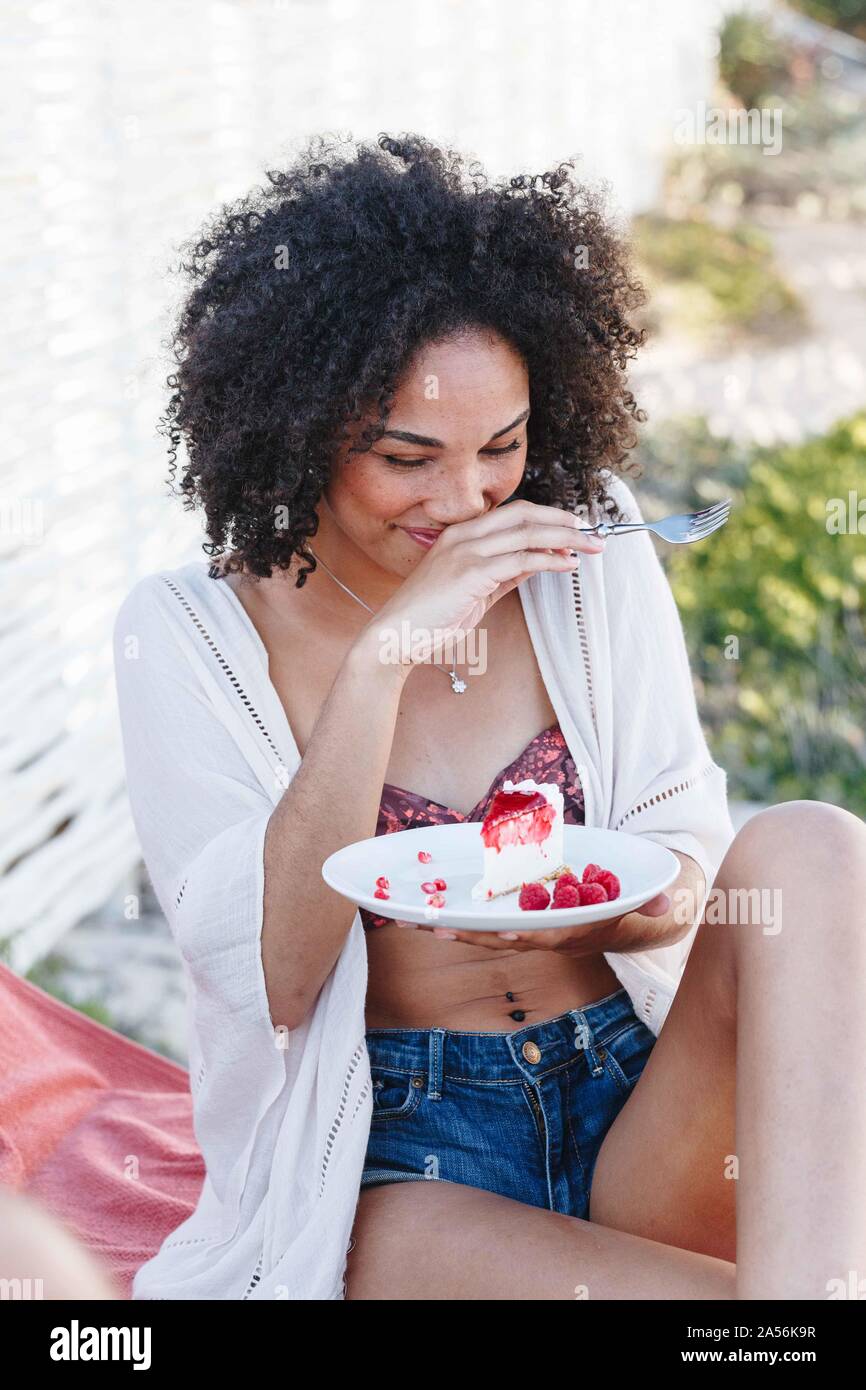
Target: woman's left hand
564,939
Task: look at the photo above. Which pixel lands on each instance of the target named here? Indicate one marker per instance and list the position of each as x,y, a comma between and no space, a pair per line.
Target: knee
809,832
794,853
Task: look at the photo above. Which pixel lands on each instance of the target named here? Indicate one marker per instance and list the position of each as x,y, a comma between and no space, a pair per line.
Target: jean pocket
627,1053
396,1094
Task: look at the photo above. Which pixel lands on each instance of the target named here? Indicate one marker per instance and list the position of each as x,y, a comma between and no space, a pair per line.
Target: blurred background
732,138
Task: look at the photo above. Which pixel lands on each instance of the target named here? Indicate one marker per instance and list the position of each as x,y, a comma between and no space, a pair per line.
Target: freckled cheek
368,494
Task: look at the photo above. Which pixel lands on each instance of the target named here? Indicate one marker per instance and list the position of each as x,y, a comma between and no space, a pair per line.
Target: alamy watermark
464,652
760,907
23,518
846,517
712,125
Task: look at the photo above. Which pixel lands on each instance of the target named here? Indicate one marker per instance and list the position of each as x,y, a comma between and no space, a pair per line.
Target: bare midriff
419,981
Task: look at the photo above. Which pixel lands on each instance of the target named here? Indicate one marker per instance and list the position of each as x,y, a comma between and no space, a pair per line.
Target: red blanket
95,1127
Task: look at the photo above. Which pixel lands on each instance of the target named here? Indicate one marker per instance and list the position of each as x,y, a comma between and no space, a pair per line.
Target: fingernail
507,935
444,935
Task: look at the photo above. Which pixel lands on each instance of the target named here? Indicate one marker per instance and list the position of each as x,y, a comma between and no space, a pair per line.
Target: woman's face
454,449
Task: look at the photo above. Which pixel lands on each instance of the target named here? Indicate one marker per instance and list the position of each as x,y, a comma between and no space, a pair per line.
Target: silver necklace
457,685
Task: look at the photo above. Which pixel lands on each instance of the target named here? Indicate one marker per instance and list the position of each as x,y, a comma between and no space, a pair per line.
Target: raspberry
380,893
431,886
437,900
533,896
424,856
441,885
591,873
569,896
610,883
564,879
592,893
382,882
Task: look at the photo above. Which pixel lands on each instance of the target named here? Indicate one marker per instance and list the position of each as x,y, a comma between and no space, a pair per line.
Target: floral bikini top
545,759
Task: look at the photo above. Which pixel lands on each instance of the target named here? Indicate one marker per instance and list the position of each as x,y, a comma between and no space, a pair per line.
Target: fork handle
615,528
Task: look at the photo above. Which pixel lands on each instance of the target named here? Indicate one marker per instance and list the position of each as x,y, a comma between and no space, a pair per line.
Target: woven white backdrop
125,125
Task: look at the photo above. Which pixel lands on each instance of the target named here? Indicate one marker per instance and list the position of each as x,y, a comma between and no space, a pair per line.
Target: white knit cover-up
282,1118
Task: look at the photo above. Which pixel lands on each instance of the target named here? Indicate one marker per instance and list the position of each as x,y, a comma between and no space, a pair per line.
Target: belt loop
437,1050
585,1041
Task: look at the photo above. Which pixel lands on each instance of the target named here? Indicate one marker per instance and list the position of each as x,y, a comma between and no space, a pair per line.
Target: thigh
666,1168
443,1240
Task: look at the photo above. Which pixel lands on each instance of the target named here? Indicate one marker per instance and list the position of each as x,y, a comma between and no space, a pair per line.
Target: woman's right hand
471,566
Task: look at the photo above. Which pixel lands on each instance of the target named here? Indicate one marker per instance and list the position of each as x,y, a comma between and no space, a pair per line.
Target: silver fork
681,529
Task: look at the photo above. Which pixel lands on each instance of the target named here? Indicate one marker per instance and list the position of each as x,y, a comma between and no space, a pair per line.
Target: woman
425,374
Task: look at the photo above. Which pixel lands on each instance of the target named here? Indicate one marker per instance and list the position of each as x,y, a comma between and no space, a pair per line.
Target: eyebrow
408,438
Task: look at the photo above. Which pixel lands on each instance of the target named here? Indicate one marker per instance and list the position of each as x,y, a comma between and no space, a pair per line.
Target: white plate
642,867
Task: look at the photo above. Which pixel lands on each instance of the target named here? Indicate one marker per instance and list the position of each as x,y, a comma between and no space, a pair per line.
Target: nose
465,495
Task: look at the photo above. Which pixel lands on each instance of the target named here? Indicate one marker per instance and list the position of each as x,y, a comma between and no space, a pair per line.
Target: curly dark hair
311,294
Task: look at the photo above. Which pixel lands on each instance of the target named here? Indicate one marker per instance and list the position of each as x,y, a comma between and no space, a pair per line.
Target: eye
509,448
396,462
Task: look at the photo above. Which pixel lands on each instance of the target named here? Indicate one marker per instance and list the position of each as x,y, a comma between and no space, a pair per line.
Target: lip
422,537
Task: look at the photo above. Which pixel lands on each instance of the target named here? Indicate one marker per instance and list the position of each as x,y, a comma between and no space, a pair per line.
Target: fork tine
707,527
714,510
711,511
711,521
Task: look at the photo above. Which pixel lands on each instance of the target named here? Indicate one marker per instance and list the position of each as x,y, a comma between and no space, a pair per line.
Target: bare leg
787,1007
41,1253
801,1035
442,1240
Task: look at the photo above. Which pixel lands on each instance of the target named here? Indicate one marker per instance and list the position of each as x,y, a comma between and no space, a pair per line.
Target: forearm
638,932
332,801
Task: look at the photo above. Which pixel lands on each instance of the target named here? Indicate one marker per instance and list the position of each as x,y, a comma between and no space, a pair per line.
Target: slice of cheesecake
521,837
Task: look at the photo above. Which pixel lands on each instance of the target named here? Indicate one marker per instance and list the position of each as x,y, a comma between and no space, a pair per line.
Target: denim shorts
521,1113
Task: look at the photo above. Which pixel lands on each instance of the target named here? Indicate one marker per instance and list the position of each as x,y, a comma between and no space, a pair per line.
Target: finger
532,941
473,938
508,515
530,535
656,907
507,585
516,565
551,940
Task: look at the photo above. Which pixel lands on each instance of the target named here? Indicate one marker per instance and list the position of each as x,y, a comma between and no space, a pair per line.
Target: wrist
368,656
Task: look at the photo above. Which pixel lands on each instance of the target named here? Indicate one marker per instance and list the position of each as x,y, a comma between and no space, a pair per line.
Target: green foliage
728,272
685,467
753,61
774,613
